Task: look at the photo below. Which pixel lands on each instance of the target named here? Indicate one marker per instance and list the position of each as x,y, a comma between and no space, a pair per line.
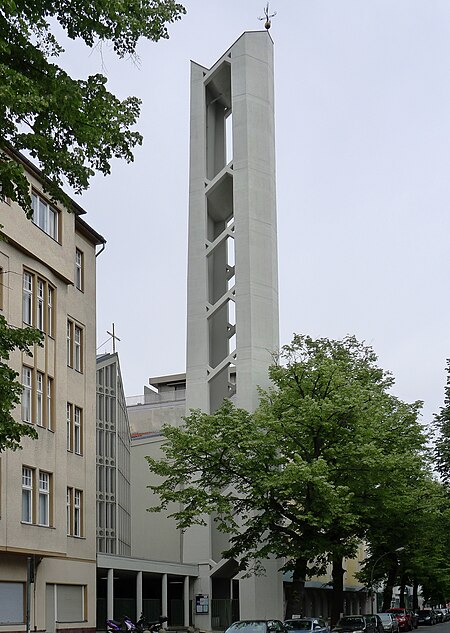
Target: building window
74,509
50,403
27,298
69,426
36,292
42,503
44,499
45,216
40,305
79,269
26,394
37,398
74,346
27,494
74,422
12,603
77,431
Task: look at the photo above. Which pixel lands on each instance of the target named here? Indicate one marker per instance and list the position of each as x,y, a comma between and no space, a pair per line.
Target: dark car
404,618
427,617
257,626
389,622
355,623
376,620
307,625
439,615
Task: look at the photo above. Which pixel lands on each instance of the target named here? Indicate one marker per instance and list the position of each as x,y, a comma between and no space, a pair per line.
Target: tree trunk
390,584
296,599
337,597
415,604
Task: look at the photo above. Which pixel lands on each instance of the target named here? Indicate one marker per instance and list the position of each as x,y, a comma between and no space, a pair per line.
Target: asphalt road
442,627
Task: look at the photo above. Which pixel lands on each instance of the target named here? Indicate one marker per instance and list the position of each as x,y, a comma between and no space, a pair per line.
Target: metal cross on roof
267,17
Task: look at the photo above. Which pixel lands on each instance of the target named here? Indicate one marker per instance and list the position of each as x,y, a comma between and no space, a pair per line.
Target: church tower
232,311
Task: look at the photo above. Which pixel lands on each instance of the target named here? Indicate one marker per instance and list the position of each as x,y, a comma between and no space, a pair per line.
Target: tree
293,479
442,445
11,339
72,127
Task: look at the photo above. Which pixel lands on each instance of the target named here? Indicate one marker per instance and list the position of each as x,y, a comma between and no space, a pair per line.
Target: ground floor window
70,601
12,603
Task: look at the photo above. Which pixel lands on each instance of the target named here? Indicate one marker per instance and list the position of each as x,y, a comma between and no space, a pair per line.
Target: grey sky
363,153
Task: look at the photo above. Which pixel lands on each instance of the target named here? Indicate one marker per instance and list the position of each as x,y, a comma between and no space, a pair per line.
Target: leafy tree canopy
12,339
300,476
442,423
72,127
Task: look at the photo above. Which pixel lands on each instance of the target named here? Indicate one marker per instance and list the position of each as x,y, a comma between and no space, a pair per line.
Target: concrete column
110,595
165,604
186,600
138,594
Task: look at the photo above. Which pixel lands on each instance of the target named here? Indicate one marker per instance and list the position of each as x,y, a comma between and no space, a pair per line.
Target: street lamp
397,549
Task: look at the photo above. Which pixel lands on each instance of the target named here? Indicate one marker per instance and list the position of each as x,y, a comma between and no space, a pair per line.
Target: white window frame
27,493
50,296
77,505
40,398
69,437
44,499
79,269
40,305
27,383
77,343
27,298
49,403
77,430
45,216
69,511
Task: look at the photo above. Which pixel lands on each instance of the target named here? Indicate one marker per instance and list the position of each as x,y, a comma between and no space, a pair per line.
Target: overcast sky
362,99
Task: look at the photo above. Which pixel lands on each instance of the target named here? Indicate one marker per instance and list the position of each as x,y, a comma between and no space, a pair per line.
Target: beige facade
47,519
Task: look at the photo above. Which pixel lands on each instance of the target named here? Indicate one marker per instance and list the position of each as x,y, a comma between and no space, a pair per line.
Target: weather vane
267,17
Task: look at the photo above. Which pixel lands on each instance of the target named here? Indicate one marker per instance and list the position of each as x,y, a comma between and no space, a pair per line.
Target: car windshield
299,625
354,623
385,617
255,626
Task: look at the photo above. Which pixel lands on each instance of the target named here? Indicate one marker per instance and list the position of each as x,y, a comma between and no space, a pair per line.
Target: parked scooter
125,626
153,627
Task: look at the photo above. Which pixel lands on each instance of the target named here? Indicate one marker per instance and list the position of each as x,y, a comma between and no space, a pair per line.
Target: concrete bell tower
232,311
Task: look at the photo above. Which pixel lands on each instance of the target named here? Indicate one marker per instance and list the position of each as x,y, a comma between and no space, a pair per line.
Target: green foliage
442,422
72,127
302,475
12,339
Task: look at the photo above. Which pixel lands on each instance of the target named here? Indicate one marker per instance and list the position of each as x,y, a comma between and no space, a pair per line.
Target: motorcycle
124,626
153,627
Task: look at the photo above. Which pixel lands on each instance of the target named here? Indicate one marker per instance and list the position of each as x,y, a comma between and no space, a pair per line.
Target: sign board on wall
202,603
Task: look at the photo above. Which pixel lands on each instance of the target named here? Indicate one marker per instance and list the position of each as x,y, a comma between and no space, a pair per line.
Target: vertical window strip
79,269
77,430
27,303
69,427
69,511
69,342
40,398
77,512
27,495
77,348
40,305
50,293
44,499
26,394
50,404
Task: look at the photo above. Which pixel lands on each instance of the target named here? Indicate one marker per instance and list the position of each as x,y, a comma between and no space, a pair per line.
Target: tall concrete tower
232,323
232,268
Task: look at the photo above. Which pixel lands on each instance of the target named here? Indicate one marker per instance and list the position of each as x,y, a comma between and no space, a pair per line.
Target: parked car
427,617
353,623
318,625
376,620
257,626
439,615
415,619
404,618
389,622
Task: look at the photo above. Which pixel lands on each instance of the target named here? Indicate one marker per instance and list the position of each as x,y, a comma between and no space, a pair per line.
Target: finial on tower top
267,17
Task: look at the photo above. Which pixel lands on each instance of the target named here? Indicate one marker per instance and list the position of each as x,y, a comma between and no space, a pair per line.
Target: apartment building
47,500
